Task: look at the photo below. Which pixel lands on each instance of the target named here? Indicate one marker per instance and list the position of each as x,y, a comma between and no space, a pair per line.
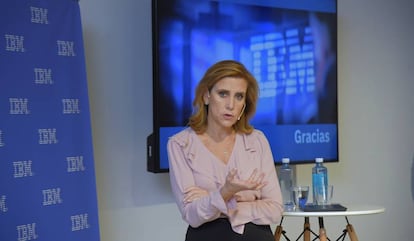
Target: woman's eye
240,97
222,94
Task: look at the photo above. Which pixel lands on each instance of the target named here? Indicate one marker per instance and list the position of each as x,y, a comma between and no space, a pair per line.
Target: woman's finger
253,175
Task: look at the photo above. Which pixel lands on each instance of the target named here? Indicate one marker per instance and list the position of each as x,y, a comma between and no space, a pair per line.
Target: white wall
376,120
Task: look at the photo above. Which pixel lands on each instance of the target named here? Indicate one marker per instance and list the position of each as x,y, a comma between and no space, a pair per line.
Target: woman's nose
230,104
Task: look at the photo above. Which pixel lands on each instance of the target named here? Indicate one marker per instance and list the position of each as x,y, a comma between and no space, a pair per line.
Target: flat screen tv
290,46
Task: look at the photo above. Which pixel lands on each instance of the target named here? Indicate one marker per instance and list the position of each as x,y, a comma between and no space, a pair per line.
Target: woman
221,169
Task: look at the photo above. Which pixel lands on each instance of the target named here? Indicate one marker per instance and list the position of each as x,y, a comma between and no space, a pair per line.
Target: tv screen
289,46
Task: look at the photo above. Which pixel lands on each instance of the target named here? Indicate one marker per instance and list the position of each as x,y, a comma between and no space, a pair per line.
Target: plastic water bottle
286,183
320,183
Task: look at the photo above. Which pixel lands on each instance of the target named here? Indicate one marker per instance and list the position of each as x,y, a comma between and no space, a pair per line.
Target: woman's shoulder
186,141
256,137
255,134
183,137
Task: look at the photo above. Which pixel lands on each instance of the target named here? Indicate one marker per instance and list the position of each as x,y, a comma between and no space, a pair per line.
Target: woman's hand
234,184
194,193
247,196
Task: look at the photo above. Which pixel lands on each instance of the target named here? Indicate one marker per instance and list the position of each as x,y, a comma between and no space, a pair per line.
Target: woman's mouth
228,116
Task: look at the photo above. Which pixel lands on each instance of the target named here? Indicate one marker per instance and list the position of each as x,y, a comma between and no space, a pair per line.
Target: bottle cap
285,160
319,159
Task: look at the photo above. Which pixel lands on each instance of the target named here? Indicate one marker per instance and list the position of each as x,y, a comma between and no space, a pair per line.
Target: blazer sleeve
199,211
268,207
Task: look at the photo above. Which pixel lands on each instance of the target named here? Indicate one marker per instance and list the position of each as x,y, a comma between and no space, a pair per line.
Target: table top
352,209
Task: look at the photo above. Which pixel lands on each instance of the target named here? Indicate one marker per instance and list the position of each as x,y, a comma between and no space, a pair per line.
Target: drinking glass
300,196
324,196
329,194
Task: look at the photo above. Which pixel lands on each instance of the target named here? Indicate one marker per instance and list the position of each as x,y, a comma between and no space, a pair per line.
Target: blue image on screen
276,41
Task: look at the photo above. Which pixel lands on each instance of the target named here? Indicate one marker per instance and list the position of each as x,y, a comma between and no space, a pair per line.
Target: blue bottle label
319,188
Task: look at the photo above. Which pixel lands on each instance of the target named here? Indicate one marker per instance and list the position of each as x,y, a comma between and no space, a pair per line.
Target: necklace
221,147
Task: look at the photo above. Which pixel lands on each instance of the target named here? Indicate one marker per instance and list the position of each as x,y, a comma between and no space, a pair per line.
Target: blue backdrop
47,179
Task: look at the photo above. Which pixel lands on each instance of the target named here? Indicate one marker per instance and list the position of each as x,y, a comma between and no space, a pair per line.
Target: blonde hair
218,71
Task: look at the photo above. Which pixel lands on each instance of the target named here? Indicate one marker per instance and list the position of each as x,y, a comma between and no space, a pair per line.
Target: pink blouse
192,164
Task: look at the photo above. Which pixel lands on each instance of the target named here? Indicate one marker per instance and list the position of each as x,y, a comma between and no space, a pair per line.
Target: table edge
351,211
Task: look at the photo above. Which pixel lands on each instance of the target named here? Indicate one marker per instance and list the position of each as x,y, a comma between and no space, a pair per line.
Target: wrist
226,194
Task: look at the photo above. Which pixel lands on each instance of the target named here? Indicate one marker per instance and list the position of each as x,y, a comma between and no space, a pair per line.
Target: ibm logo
51,196
3,206
39,15
47,136
14,43
26,232
75,164
79,222
66,48
22,169
43,76
19,106
1,139
70,106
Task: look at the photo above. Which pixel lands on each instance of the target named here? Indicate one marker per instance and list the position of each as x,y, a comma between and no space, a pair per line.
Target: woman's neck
219,135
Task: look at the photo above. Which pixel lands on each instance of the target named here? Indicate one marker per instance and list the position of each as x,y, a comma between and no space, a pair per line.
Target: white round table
352,210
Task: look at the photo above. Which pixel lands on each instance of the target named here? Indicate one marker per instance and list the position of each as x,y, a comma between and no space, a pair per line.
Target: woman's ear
206,97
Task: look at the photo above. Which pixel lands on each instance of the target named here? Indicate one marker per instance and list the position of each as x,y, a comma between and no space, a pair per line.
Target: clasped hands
232,185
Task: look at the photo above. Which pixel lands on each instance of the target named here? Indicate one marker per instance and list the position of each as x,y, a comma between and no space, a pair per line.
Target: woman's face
226,102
